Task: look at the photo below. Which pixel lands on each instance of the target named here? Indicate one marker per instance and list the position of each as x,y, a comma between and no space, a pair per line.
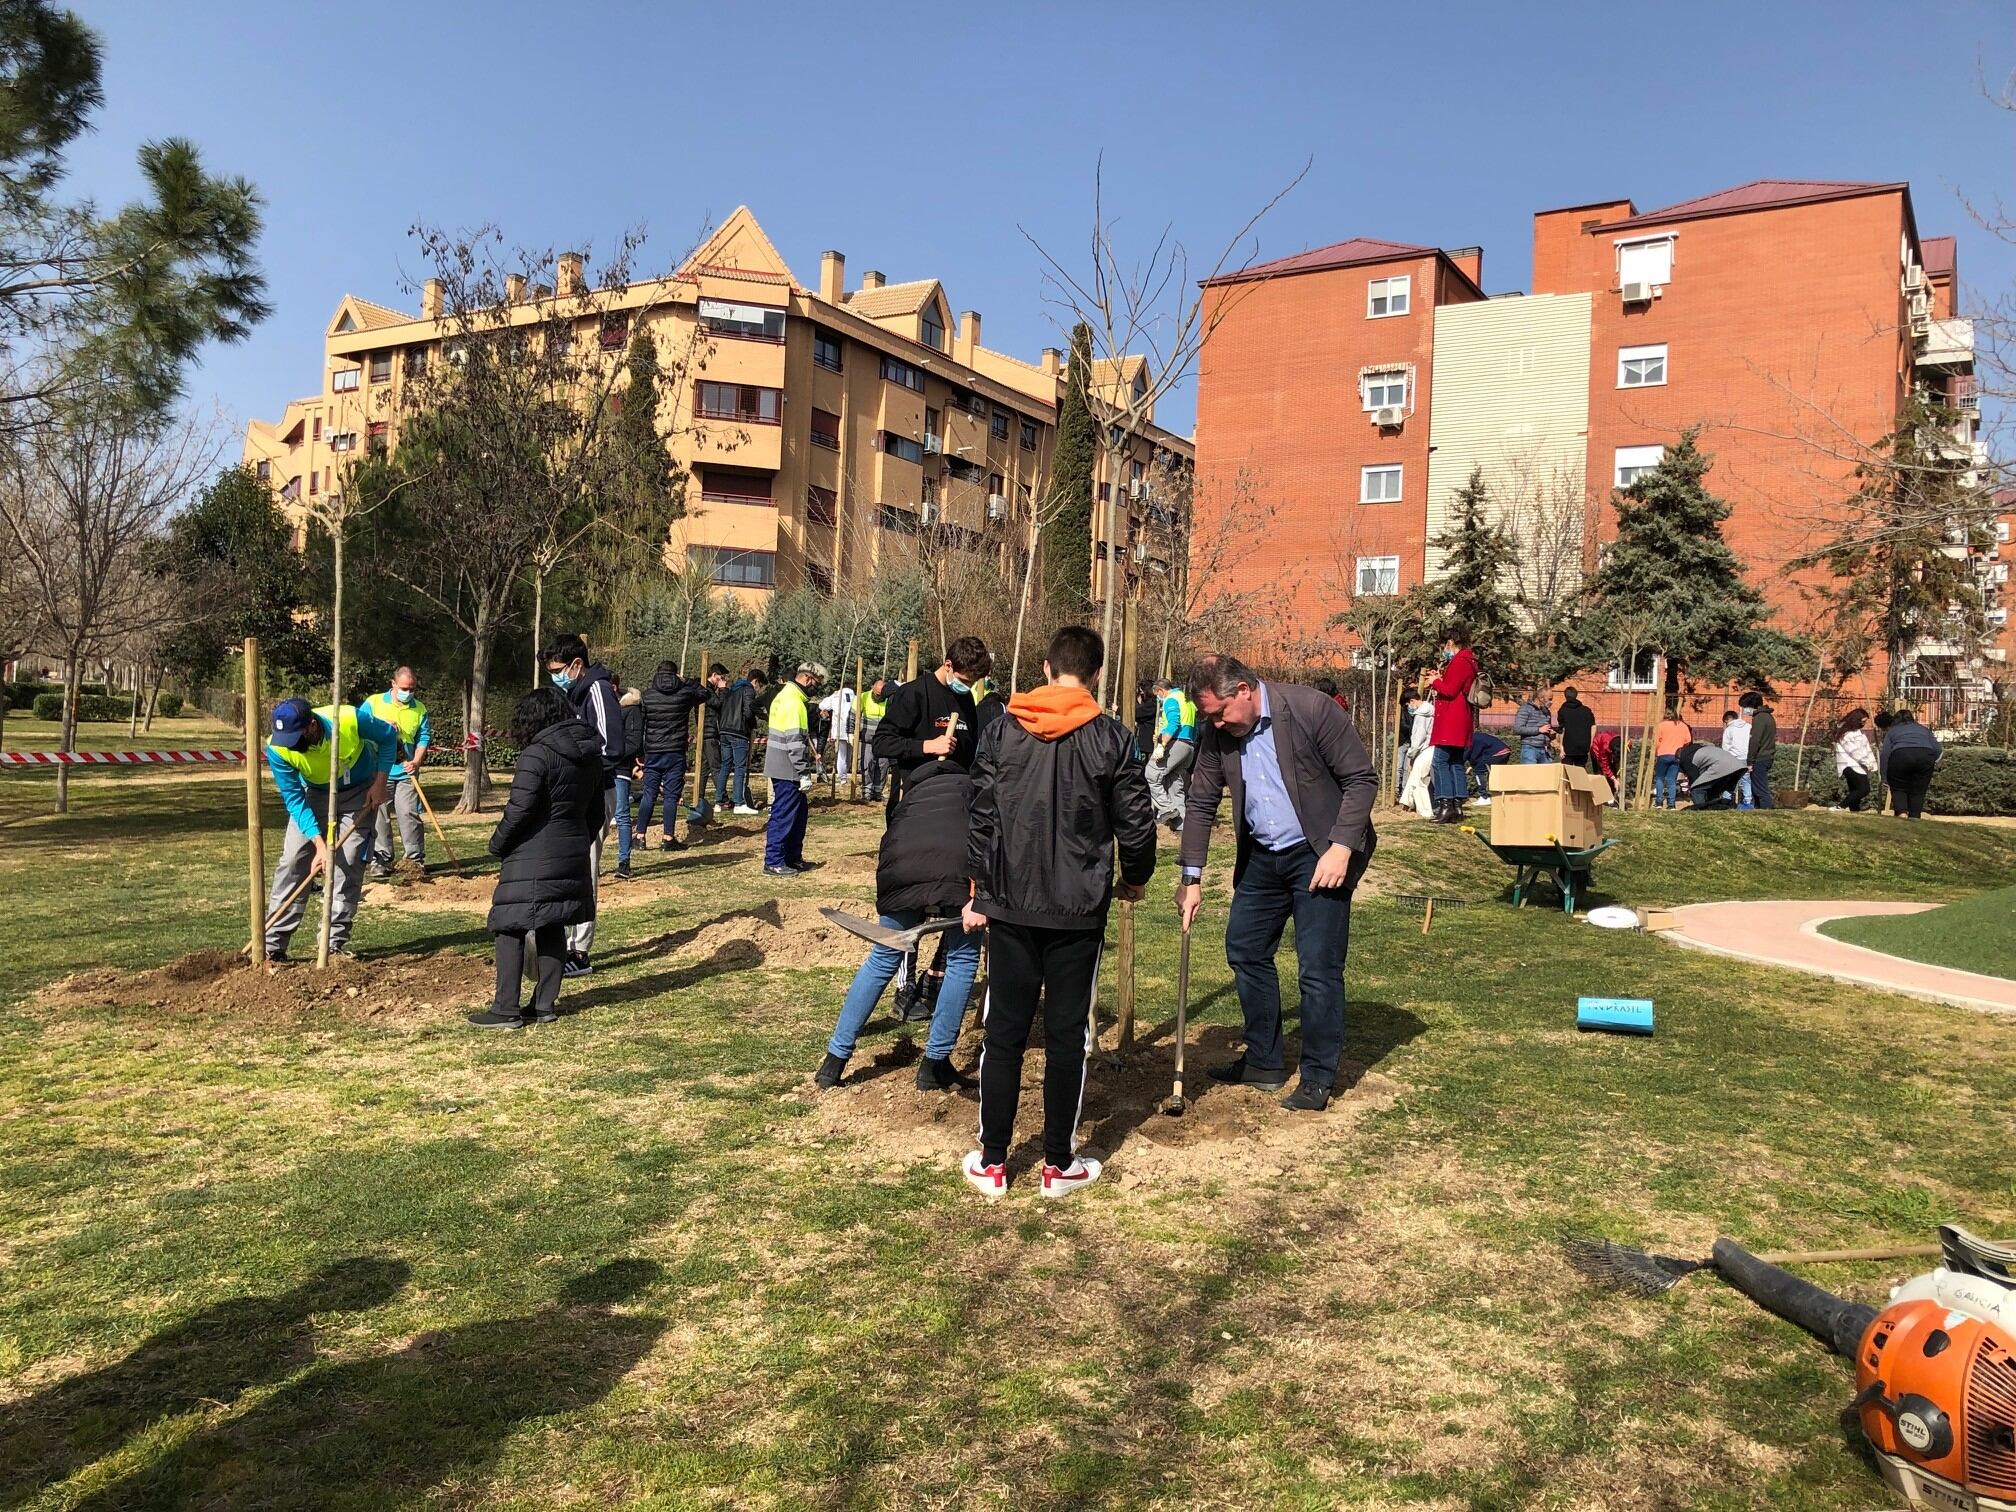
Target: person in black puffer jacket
546,884
920,875
669,703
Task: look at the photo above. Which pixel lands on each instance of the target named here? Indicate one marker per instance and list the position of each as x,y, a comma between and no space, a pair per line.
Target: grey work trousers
297,854
412,825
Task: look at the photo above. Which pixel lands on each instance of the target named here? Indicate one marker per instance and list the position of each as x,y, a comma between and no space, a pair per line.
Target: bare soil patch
218,984
786,932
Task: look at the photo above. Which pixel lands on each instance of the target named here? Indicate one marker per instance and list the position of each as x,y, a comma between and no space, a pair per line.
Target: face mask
1446,654
562,681
959,685
403,695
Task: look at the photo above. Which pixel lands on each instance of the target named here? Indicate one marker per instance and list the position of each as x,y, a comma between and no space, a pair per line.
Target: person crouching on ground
546,838
1712,774
921,875
307,750
1055,783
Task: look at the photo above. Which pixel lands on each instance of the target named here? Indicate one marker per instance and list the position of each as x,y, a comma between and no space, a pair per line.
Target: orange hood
1051,713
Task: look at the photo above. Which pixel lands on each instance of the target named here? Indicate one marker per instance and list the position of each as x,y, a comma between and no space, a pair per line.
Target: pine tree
1898,583
1477,561
1670,585
1067,535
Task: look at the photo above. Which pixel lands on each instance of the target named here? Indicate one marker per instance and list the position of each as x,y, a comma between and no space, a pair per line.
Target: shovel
302,886
1174,1107
904,940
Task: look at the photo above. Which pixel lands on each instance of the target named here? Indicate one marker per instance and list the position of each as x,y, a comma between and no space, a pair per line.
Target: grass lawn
337,1259
1977,934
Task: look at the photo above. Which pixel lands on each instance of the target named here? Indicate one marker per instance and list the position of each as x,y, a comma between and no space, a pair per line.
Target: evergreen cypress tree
1669,584
1471,590
1067,537
650,483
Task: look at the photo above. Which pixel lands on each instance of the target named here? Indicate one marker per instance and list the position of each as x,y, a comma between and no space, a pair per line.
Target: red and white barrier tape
113,758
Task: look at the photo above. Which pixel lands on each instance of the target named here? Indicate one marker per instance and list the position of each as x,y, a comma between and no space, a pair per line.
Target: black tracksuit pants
1061,967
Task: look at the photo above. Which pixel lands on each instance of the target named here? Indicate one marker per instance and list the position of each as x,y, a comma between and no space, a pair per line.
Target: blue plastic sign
1614,1015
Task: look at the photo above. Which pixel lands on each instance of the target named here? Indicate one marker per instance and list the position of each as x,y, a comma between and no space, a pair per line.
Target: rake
1642,1273
1426,904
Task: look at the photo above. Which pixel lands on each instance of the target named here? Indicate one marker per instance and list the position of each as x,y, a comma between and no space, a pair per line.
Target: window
995,486
901,521
822,505
1641,366
821,578
316,433
1387,296
1028,435
964,471
825,429
1105,492
265,470
745,322
615,330
901,372
902,446
931,423
1644,674
724,487
930,490
930,332
2002,531
293,489
1134,470
1649,260
1378,485
1633,462
559,339
342,441
314,484
745,569
971,403
826,351
739,401
416,360
381,367
1378,576
1385,388
998,426
345,380
376,430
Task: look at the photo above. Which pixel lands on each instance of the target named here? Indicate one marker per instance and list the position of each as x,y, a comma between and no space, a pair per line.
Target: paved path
1788,934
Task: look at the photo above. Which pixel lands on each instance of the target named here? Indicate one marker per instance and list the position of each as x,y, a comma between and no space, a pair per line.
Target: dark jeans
1857,783
1909,774
1274,887
1448,780
1480,770
549,942
1666,782
1060,966
1721,793
666,770
734,756
784,834
1760,782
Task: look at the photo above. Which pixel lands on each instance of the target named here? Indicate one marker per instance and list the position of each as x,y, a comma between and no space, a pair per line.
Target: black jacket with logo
668,710
917,712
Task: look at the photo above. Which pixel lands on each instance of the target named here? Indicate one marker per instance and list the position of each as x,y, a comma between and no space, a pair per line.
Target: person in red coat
1455,722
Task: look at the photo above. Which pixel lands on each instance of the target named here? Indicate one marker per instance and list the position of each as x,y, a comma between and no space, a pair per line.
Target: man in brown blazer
1302,788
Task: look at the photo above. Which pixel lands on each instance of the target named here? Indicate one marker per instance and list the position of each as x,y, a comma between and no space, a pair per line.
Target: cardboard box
1546,804
1655,919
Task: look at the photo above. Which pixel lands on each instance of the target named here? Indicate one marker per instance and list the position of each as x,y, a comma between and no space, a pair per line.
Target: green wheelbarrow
1568,870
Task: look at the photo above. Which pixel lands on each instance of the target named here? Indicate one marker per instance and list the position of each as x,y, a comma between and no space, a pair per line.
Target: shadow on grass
209,1360
389,1428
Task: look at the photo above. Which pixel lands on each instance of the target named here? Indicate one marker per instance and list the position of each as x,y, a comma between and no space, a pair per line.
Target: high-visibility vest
313,763
403,717
872,708
788,710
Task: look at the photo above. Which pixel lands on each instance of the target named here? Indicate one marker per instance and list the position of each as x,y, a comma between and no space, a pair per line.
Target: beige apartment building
829,432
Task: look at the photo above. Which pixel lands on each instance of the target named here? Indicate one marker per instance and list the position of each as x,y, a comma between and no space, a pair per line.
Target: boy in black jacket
1055,783
917,726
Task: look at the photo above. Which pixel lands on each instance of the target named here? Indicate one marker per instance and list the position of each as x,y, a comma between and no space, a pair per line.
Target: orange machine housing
1920,1353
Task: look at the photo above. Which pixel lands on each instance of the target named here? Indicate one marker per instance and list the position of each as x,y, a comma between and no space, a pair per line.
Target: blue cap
292,720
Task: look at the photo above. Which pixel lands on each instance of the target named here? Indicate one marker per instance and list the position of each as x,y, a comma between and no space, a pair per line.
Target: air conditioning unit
1391,415
928,513
1914,277
933,444
1138,488
997,507
1637,293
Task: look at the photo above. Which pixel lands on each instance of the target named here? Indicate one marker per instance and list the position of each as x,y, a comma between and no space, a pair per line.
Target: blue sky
1446,124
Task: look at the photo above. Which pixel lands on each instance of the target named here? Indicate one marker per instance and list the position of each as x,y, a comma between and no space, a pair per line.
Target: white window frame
1614,675
1380,566
1383,377
346,380
2002,532
1656,351
1397,292
1637,459
1632,243
1381,470
1998,617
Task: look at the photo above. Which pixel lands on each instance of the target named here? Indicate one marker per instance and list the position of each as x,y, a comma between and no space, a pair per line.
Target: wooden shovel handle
1881,1252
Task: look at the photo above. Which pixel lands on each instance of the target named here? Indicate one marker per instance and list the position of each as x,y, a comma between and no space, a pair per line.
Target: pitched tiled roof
891,299
1344,254
1760,194
1938,254
372,316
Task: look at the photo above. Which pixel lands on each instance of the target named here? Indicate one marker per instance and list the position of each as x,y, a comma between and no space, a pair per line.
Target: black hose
1834,1321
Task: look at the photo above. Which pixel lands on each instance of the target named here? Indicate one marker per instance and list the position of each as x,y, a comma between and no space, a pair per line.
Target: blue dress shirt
1269,814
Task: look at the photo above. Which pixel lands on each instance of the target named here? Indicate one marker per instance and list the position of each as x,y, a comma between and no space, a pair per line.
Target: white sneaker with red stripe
990,1181
1062,1183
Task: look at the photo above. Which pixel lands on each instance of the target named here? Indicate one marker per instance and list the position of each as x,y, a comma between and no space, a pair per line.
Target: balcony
1947,343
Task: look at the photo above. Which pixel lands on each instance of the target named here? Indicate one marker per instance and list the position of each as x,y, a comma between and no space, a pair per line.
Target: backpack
1479,696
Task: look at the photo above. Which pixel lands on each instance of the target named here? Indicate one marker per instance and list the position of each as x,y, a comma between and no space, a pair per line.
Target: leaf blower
1935,1370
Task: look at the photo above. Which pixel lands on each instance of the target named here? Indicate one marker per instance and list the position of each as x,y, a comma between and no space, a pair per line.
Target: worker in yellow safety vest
307,750
400,707
874,770
788,763
1175,750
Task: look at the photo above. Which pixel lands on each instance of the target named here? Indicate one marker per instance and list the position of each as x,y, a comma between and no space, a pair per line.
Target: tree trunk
133,709
476,760
1022,608
66,737
1112,577
154,697
335,756
1806,722
538,623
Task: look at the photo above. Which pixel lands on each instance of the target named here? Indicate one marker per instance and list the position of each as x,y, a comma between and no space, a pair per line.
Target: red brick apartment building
1353,388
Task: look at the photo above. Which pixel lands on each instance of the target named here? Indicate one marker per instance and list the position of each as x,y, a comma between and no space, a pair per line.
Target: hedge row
92,708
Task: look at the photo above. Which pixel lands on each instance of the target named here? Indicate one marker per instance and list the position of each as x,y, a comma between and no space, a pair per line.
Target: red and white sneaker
1062,1183
990,1181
